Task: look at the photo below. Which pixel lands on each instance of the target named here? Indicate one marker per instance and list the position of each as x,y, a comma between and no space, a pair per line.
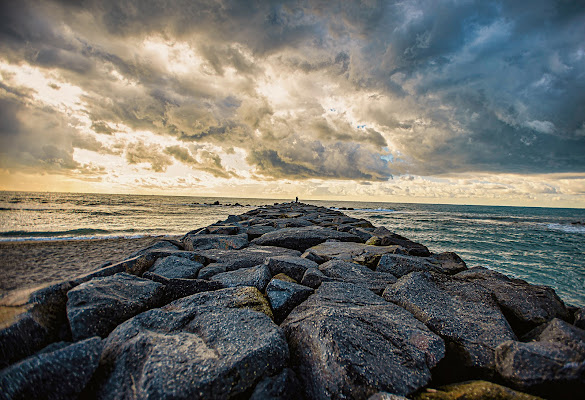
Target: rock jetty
291,301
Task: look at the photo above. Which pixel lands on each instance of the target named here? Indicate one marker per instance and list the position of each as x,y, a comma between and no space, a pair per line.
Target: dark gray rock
134,266
283,296
210,345
176,267
98,306
356,273
176,288
303,238
525,306
223,229
552,366
580,318
31,321
400,265
59,374
450,263
284,386
223,242
256,231
362,233
211,270
388,238
463,313
161,245
309,255
257,276
313,278
346,342
247,257
294,267
361,253
281,223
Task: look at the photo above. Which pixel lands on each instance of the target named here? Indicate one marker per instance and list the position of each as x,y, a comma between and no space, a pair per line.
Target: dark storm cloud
453,86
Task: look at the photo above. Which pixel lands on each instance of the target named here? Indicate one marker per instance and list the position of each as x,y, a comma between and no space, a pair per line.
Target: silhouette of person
296,199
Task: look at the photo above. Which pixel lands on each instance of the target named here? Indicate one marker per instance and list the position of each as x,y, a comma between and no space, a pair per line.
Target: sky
463,102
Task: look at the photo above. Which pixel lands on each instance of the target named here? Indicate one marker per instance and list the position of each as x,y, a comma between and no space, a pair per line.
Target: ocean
543,246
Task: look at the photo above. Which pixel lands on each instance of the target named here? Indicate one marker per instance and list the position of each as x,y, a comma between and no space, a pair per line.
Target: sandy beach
32,263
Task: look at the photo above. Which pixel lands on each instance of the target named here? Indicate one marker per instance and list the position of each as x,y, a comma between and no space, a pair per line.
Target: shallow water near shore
541,245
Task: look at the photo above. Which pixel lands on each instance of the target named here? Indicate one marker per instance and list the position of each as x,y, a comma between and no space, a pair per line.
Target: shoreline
30,263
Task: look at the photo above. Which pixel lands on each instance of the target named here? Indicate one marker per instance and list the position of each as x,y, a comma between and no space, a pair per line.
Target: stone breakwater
291,301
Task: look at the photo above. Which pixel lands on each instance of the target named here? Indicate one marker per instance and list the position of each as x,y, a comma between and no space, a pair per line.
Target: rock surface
303,238
209,345
176,267
59,374
206,242
284,386
285,296
96,307
350,272
476,390
294,267
358,252
400,265
257,276
347,342
463,313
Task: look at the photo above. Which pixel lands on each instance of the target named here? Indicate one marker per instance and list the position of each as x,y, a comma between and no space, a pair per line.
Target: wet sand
27,264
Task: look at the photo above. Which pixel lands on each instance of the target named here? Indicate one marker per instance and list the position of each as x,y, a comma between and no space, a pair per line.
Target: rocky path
291,301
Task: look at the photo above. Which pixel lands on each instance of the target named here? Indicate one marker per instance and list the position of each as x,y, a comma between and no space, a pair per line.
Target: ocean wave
364,209
69,232
72,238
572,228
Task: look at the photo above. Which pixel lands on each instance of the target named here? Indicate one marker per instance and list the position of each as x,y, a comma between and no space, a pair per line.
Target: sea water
541,245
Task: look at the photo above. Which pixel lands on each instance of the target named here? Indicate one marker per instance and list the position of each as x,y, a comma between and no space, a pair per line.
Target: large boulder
463,313
250,256
176,288
30,320
207,241
388,238
303,238
257,276
346,342
524,305
450,263
285,296
476,390
211,345
356,273
59,374
294,267
96,307
176,267
553,365
358,252
400,265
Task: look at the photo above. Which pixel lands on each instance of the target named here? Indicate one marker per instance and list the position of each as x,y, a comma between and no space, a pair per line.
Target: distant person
296,199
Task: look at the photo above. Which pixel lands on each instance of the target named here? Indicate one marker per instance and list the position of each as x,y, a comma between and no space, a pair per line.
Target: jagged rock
59,374
223,229
281,223
313,257
400,265
256,231
284,296
30,321
257,276
450,263
362,233
463,313
580,319
476,390
250,256
358,252
98,306
552,366
176,288
209,345
211,270
388,238
313,278
284,386
294,267
524,305
303,238
346,342
207,241
176,267
350,272
161,245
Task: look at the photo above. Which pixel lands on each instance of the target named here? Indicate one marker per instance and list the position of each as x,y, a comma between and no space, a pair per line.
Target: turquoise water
541,245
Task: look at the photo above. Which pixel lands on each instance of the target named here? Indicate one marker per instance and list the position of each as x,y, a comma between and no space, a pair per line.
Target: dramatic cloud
253,92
